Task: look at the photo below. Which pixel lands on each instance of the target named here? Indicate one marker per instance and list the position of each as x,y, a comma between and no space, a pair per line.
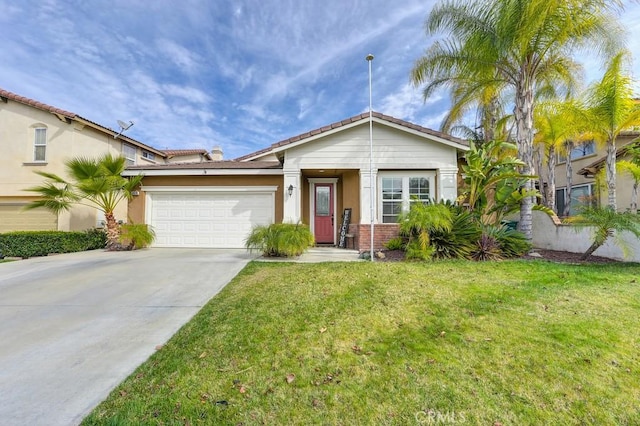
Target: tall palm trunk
593,247
611,173
538,156
567,193
551,184
523,113
113,231
491,119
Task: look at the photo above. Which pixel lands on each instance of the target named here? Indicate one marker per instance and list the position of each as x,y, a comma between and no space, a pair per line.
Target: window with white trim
399,189
129,153
148,155
40,144
582,149
581,195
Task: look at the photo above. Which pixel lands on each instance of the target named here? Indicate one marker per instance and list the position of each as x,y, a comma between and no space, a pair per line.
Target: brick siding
382,232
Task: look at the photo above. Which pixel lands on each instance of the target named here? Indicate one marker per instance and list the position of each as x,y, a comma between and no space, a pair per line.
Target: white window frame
131,161
563,191
39,143
406,198
575,152
148,155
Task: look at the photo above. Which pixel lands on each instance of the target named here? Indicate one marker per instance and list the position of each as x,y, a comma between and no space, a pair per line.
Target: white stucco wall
393,149
548,235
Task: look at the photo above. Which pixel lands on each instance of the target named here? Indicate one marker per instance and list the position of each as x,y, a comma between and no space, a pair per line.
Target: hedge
27,244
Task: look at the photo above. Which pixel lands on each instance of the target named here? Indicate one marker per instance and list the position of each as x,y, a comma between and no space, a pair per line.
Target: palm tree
522,45
492,181
605,222
560,127
551,132
613,110
96,183
633,170
632,167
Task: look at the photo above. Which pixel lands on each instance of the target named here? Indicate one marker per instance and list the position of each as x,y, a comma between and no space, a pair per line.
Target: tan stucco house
587,159
39,137
586,174
310,178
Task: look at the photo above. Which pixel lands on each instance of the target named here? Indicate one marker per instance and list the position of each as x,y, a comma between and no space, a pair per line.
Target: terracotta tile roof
592,168
5,94
24,100
227,164
178,152
355,118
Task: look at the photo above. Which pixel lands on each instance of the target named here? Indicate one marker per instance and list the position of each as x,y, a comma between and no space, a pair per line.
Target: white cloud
187,93
183,58
240,74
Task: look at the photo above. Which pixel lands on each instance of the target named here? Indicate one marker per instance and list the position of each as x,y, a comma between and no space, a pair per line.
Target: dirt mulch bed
538,254
567,257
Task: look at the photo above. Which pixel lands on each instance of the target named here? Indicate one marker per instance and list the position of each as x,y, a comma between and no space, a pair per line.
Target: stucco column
447,184
292,203
365,196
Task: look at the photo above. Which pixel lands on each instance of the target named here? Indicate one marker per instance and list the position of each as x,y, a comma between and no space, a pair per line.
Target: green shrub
280,239
458,242
416,251
26,244
136,235
447,231
512,242
397,243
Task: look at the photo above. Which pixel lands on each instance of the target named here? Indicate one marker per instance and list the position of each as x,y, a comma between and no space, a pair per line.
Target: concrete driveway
73,326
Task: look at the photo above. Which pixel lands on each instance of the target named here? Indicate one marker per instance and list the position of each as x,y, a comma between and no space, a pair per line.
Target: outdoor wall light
290,190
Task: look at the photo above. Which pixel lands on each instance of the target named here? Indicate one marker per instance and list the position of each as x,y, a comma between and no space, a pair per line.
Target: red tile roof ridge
36,104
184,151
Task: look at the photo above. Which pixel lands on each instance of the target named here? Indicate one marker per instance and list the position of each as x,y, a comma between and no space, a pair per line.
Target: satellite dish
123,126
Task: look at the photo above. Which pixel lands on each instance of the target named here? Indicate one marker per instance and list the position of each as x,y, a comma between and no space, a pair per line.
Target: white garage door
208,219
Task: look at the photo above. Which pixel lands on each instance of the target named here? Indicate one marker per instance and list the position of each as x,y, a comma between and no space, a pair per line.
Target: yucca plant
280,239
487,248
511,242
459,241
605,223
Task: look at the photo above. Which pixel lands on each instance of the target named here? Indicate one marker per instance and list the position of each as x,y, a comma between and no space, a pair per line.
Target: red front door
323,213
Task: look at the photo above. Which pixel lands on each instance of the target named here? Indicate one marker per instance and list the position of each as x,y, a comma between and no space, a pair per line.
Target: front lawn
505,343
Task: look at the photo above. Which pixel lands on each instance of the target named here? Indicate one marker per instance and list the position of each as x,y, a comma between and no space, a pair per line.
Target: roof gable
352,122
68,117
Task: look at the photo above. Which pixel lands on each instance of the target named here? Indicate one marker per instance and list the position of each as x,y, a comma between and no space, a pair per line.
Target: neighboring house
586,159
624,183
310,178
39,137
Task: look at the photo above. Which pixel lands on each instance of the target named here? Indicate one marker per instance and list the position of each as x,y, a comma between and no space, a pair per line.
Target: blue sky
238,74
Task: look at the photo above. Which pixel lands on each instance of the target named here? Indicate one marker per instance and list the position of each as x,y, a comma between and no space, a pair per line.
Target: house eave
285,147
203,172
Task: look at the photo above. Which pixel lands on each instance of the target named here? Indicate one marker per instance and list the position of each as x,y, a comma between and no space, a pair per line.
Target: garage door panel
216,220
14,218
